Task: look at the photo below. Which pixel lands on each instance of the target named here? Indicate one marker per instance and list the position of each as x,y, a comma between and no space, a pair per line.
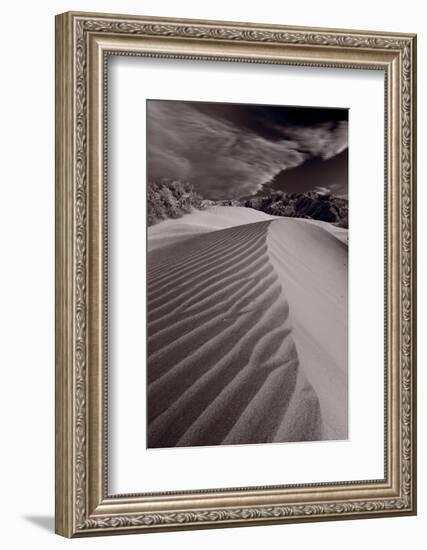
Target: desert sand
247,329
201,221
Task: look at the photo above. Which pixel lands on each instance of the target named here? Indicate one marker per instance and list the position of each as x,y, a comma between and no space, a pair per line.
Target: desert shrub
314,205
174,198
170,199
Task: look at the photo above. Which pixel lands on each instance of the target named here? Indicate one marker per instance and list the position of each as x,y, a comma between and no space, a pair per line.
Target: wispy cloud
225,159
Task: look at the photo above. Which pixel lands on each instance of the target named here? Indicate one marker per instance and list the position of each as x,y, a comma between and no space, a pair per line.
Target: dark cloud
315,173
229,151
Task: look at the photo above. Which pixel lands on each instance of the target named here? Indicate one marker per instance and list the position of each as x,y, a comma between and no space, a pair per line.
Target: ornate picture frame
84,42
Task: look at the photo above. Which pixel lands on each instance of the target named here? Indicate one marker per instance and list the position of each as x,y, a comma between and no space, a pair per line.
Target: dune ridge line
223,367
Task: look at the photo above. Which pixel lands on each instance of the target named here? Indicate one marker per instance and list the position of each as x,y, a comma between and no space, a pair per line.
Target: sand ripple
222,362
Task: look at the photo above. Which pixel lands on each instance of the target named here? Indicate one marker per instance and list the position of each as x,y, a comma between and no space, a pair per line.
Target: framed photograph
235,274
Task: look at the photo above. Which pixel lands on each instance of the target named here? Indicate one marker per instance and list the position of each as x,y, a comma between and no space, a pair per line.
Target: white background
132,467
27,275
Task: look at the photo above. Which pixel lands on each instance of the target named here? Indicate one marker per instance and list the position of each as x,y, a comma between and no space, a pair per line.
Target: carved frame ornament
83,43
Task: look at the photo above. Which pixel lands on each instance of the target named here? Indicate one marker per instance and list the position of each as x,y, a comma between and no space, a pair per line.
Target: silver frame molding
83,43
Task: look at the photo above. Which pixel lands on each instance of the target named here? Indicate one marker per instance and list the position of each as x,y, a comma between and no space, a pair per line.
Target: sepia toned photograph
213,315
247,274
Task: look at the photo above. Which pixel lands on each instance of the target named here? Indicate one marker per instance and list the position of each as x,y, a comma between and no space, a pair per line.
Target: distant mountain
316,205
172,199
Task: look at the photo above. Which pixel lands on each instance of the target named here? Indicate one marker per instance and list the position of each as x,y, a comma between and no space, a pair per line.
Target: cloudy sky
232,150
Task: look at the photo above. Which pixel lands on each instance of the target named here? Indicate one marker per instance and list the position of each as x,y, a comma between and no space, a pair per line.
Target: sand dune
243,323
201,221
311,262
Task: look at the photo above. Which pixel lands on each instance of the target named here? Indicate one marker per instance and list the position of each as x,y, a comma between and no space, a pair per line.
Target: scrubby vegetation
170,199
312,205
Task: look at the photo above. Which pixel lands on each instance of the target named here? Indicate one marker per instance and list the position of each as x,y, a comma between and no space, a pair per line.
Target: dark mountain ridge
172,199
315,205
